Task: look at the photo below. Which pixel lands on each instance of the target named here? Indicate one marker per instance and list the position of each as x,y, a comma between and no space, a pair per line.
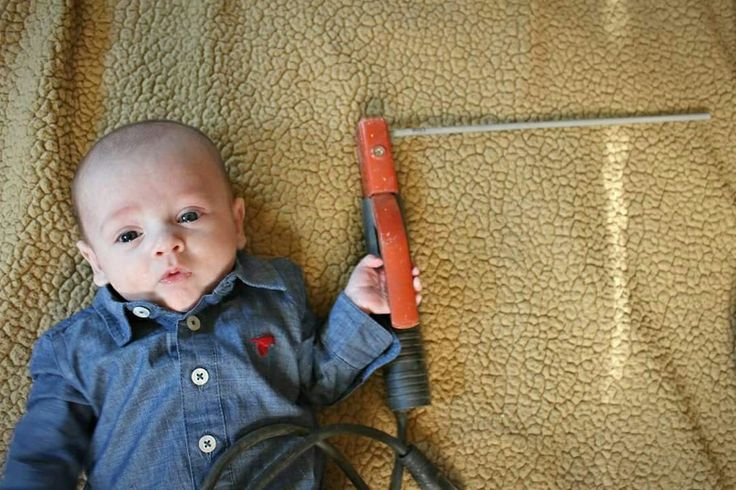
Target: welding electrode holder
407,383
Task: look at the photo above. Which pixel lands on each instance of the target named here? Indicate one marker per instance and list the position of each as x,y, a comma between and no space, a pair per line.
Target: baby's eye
188,217
128,236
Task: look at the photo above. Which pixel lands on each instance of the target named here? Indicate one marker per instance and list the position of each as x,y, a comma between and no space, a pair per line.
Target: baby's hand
367,286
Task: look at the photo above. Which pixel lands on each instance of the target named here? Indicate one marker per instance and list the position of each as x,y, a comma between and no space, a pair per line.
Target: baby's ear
239,216
98,275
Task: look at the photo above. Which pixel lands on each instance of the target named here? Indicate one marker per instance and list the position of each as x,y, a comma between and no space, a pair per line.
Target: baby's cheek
135,278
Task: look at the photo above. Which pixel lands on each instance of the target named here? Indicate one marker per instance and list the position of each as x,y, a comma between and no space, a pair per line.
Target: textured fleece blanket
578,283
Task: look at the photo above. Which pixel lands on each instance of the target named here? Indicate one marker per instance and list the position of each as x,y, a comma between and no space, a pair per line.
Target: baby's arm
51,440
367,286
350,345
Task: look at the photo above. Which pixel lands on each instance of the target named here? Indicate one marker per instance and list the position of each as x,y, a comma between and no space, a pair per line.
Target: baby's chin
179,302
180,293
180,307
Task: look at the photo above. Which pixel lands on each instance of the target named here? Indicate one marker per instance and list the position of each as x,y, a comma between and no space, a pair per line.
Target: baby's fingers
371,261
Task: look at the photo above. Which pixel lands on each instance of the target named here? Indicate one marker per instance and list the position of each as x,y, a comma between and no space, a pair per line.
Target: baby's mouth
175,275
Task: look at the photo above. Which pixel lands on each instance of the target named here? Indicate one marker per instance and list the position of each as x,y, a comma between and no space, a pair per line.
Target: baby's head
158,218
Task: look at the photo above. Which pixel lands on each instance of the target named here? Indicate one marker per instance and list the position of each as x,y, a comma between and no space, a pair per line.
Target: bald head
126,144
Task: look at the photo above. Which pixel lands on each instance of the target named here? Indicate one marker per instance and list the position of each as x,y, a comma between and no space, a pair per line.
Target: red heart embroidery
263,344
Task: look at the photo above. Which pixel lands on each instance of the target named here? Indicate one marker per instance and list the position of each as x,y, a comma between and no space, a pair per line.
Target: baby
189,343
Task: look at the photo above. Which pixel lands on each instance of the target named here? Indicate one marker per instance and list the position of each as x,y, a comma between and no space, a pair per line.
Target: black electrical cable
246,442
424,472
319,434
344,464
397,474
270,432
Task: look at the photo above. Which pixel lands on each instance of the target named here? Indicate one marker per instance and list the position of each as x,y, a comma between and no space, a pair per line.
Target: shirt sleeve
50,442
338,355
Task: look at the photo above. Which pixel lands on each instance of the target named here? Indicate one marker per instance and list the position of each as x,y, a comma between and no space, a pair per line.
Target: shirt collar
258,273
116,311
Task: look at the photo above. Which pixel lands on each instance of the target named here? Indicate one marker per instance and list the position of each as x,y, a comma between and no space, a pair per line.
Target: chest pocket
262,346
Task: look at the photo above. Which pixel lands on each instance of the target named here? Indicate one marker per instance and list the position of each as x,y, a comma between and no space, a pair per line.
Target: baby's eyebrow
116,216
194,194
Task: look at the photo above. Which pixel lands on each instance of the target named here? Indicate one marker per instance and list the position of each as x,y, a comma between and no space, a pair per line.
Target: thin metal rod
570,123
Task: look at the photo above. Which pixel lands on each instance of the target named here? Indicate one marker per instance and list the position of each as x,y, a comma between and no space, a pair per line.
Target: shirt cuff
357,339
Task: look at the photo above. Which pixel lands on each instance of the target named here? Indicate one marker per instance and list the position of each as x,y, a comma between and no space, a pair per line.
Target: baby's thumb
371,261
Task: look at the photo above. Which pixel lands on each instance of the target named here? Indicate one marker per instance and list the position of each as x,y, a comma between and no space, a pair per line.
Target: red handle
396,261
381,187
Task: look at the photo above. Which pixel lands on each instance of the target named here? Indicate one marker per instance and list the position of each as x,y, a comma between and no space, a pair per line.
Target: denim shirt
139,396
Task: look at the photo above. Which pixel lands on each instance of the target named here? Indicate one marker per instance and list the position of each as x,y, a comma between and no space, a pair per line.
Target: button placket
196,342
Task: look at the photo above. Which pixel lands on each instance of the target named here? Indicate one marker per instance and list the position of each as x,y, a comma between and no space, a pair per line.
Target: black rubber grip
407,383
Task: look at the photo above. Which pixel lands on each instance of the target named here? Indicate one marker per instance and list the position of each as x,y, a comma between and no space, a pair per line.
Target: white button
141,312
207,444
193,323
200,376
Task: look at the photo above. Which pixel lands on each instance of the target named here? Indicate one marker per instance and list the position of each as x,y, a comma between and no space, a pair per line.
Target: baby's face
160,223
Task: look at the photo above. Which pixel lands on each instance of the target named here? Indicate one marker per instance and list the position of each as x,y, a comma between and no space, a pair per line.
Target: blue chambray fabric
113,393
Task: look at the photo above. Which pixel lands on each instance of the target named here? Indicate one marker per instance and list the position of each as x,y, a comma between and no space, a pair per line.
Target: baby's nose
168,243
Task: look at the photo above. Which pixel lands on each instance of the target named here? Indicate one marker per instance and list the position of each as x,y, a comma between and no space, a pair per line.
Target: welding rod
569,123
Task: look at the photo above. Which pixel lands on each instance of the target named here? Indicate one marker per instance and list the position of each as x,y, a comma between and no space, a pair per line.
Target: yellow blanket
579,283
